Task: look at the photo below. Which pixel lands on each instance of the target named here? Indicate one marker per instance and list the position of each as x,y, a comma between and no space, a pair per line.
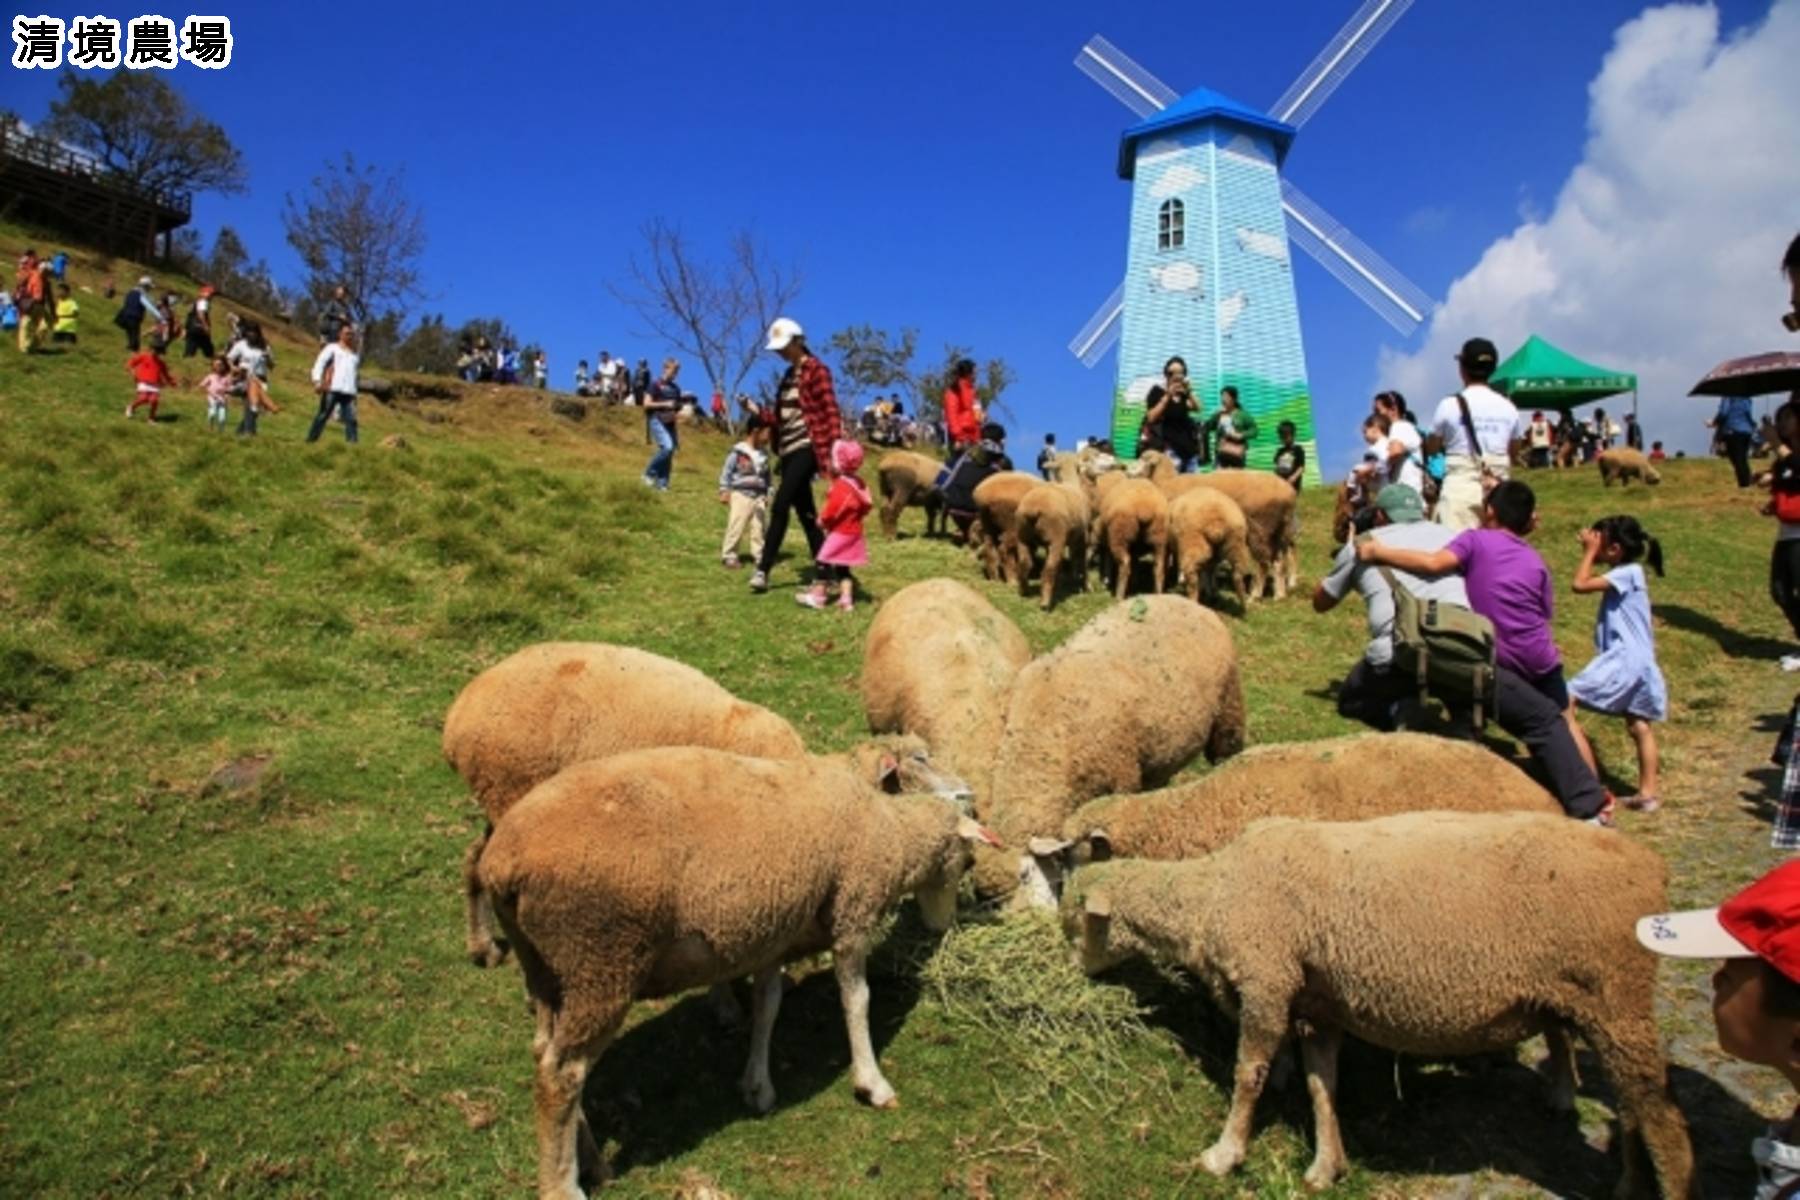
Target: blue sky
936,165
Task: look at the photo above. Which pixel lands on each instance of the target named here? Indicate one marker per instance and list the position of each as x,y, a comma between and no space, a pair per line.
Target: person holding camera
1169,417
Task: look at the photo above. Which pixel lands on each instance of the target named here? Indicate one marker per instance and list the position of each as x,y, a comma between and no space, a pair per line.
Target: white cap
1693,934
783,331
144,281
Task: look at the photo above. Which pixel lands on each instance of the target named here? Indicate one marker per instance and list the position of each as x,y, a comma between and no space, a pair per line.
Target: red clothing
846,504
145,367
959,412
818,407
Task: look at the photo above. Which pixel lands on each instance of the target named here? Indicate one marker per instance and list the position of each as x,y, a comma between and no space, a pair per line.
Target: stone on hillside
240,776
570,407
394,441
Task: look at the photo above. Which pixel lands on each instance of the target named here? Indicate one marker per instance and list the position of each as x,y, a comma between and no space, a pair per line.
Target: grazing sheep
1625,464
537,711
1121,706
1426,933
1337,779
1269,505
939,663
909,478
1052,517
996,508
1207,528
653,872
1133,516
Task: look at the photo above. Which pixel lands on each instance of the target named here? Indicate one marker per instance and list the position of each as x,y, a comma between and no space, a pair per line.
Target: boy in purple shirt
1509,584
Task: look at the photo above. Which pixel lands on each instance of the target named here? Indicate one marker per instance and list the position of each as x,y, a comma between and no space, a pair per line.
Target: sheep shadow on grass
1404,1115
1733,643
670,1082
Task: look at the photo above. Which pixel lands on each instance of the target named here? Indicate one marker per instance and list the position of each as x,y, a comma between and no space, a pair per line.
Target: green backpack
1448,648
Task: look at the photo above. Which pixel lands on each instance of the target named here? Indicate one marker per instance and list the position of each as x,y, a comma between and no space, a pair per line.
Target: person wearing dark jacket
961,478
138,304
335,315
806,424
1169,417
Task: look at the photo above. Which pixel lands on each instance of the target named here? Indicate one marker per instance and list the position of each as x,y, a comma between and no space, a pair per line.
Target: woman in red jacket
962,420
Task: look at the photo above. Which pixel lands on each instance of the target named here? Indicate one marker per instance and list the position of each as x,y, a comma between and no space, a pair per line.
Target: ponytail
1654,557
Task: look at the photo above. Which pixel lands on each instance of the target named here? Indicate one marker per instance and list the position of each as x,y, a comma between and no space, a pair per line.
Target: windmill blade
1377,282
1102,329
1352,43
1131,85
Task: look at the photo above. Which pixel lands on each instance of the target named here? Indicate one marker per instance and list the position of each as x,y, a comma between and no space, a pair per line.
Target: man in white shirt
1538,435
334,378
1403,456
1494,422
608,371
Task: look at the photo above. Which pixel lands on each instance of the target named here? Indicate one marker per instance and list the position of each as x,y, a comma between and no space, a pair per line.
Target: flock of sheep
1187,528
650,833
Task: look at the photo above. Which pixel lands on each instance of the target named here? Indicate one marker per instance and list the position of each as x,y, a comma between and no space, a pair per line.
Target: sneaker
128,412
811,600
647,481
730,562
1790,662
1604,818
1642,803
759,582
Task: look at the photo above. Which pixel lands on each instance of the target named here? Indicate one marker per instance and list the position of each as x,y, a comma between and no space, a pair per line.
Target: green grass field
264,990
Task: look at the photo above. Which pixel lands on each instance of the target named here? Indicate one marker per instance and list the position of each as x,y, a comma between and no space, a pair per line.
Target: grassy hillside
264,990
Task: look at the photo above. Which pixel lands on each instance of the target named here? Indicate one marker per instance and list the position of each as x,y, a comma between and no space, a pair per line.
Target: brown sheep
556,703
1625,464
1133,516
1052,517
1425,933
1135,695
996,508
653,872
1337,779
940,662
1269,505
1207,528
909,478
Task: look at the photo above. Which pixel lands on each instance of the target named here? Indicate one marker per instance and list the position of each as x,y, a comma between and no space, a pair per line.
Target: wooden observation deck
44,181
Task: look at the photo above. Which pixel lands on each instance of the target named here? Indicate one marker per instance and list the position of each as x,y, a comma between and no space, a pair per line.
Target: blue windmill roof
1202,104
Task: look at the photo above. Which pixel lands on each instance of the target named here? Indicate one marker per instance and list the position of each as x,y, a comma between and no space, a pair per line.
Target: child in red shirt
846,504
152,375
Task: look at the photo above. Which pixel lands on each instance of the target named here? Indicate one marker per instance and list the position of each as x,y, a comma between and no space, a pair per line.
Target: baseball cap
144,281
1400,502
783,331
1762,921
1478,352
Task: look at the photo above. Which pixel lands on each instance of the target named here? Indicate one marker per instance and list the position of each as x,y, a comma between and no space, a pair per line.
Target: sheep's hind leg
1559,1067
566,1148
757,1088
849,961
1319,1048
486,947
1630,1051
1261,1029
1053,562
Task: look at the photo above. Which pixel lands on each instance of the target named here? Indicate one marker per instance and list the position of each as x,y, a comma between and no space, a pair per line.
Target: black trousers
1369,695
1784,581
1737,449
793,494
1535,719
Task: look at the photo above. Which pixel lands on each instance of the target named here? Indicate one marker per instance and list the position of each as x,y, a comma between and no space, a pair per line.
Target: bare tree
143,130
355,227
870,359
713,311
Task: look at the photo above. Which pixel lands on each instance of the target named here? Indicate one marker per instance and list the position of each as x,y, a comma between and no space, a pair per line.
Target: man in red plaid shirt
806,423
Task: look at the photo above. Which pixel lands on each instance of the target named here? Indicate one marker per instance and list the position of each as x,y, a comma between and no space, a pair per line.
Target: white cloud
1660,252
1182,177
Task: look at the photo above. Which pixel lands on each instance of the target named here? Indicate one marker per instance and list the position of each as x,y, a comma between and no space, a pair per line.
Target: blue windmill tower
1207,273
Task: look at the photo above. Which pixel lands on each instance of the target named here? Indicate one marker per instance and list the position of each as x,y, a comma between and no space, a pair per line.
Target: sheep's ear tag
889,773
971,830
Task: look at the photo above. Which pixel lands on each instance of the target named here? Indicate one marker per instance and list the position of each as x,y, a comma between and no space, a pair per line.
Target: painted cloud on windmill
1182,177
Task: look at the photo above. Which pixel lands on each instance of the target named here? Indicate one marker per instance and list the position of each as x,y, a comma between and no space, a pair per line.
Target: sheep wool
1207,528
1129,700
655,871
1052,517
1424,933
1624,464
1134,518
909,478
940,662
1269,504
996,508
1338,779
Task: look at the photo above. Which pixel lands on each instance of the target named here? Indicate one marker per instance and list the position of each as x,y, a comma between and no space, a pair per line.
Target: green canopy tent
1538,375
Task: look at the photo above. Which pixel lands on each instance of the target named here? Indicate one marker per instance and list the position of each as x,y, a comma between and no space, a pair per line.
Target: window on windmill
1171,225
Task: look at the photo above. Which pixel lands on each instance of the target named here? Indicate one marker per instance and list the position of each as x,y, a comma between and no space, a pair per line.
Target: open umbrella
1757,375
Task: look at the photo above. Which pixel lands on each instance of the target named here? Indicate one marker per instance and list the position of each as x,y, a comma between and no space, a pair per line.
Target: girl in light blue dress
1623,679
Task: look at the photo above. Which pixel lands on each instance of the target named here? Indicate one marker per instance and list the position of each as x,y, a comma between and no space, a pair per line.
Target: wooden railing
16,143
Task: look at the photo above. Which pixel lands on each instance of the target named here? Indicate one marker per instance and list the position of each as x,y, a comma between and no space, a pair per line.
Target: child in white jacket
744,490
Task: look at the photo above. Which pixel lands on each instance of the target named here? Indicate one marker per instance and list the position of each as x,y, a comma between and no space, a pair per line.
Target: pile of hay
1070,1037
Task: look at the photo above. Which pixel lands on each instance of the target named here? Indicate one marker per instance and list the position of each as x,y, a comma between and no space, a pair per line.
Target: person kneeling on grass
1756,996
